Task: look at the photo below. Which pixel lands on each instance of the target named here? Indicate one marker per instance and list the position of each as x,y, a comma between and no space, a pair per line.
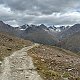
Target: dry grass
10,44
55,64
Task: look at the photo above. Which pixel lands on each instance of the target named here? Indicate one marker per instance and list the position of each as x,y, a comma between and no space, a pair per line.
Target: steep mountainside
72,42
70,31
6,28
37,34
40,35
70,38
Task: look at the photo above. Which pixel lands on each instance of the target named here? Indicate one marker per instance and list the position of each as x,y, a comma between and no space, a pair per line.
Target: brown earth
9,44
54,63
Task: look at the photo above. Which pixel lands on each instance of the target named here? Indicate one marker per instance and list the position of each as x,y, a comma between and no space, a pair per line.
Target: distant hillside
8,44
55,63
72,42
37,34
70,31
6,28
70,38
40,36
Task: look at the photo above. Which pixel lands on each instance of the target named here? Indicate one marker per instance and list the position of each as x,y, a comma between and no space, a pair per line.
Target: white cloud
12,23
5,10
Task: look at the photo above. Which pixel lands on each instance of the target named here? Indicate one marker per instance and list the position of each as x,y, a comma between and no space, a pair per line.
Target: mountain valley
53,57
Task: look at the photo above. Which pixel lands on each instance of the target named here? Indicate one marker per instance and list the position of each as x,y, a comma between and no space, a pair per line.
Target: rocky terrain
19,66
54,63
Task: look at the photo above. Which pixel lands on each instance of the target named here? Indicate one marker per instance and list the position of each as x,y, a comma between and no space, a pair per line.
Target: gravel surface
19,66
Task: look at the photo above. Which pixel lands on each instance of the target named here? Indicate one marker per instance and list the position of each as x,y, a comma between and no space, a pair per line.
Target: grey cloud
1,1
59,19
45,6
39,11
19,4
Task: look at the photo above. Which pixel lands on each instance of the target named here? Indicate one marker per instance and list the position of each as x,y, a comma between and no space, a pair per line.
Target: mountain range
50,62
65,37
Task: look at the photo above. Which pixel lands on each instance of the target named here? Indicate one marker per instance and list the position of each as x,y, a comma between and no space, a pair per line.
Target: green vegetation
66,75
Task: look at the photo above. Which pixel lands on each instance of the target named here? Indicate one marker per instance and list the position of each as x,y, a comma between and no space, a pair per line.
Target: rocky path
19,66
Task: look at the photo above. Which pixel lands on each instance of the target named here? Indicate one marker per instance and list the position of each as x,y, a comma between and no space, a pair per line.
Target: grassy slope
54,63
10,44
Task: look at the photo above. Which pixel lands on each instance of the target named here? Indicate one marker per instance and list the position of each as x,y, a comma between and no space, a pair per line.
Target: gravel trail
19,66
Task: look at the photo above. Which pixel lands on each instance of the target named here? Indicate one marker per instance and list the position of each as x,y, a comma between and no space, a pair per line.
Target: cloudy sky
49,12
